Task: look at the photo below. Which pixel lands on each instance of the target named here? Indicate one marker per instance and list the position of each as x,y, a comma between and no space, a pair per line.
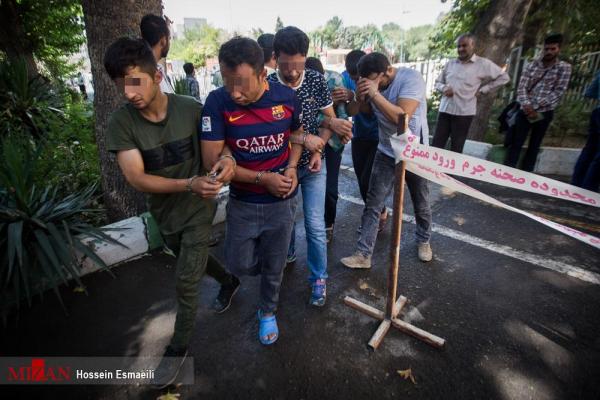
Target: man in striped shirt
542,85
256,120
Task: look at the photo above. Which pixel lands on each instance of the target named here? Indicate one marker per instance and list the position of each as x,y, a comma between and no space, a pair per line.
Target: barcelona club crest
278,112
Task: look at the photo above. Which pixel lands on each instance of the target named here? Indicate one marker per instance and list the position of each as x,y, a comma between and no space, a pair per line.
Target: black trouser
333,160
363,155
521,129
455,127
587,169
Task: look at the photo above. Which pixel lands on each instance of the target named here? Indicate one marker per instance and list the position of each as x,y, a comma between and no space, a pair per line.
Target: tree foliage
391,39
579,24
197,45
461,19
50,31
412,43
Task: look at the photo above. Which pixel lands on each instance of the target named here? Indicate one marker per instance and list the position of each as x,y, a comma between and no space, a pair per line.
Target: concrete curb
550,161
138,234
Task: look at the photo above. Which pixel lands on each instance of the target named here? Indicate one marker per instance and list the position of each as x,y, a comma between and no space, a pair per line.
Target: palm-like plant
181,87
39,242
26,105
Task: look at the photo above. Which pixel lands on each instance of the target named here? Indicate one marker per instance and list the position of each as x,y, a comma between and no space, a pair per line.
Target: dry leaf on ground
169,396
407,374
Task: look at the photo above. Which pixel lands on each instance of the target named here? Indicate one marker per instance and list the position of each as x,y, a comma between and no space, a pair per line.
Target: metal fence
429,69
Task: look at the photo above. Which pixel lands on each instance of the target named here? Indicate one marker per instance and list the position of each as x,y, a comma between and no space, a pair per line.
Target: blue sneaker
319,293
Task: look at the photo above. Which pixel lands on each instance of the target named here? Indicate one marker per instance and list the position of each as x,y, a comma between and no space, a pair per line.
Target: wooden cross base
384,327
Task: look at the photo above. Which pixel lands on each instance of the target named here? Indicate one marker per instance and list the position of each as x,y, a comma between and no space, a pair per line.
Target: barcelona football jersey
258,134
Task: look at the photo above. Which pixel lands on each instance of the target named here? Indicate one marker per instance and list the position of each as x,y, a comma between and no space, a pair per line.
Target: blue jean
381,184
587,169
313,205
256,243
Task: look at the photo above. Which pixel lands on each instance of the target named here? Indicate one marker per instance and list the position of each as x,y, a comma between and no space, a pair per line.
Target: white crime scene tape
435,164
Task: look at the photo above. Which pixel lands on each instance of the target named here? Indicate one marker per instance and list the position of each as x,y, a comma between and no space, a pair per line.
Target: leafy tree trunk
496,31
13,40
106,21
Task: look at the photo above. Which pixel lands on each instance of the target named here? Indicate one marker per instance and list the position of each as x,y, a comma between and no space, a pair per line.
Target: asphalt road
518,305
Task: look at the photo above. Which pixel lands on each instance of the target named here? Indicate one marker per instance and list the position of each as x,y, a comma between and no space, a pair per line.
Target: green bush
181,87
27,105
39,227
59,121
433,106
569,127
70,156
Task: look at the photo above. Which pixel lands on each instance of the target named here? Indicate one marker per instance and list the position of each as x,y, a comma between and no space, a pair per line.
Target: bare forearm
245,175
157,184
297,137
325,134
211,150
389,110
295,154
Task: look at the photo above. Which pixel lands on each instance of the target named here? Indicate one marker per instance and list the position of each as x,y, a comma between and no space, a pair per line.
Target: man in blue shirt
365,132
587,169
390,92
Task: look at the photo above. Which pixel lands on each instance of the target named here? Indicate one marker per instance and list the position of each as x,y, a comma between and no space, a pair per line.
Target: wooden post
400,172
392,282
392,308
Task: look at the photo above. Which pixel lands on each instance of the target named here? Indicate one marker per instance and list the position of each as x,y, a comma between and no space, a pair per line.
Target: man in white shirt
461,82
155,31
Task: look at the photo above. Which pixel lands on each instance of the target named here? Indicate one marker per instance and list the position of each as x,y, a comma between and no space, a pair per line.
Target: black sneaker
169,366
223,300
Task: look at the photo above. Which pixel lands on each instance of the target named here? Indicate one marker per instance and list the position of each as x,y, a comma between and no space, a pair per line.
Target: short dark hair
555,38
188,68
372,63
153,29
127,53
352,61
315,64
241,50
290,40
467,35
265,41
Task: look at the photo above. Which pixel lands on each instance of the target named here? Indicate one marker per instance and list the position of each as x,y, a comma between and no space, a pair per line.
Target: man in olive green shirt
155,139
